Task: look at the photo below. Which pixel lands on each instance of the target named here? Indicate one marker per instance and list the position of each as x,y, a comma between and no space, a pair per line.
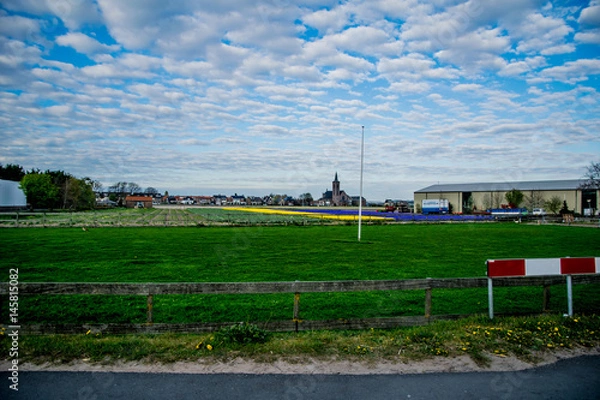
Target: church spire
335,191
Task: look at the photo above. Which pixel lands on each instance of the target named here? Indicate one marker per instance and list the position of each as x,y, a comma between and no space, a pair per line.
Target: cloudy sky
261,96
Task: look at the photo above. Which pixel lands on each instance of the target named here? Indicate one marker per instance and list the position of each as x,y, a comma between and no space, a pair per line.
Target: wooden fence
296,288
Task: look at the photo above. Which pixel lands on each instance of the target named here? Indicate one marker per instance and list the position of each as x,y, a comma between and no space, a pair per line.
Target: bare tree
497,199
534,199
133,188
592,177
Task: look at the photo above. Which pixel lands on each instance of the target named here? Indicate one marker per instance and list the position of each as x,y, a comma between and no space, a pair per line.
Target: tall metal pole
362,158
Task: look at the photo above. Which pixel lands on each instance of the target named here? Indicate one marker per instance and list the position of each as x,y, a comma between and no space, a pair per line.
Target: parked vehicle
538,211
435,206
509,211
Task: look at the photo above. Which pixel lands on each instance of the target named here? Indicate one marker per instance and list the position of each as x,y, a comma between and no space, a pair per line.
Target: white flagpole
362,158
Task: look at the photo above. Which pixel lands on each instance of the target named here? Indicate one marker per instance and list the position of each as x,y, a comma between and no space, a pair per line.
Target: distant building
338,197
11,195
138,202
482,196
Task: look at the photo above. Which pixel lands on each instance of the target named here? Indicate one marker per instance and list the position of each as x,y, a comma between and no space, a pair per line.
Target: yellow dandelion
209,347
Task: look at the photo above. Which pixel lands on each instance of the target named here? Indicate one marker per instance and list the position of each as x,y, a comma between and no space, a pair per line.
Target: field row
170,217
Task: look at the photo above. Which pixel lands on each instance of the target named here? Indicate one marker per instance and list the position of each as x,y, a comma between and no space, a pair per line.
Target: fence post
546,305
149,313
428,300
570,295
491,298
296,310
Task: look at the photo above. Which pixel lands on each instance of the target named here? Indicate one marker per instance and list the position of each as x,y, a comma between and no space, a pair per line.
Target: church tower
335,190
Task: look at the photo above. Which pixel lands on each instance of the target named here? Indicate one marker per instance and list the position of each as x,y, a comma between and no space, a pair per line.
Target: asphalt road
577,378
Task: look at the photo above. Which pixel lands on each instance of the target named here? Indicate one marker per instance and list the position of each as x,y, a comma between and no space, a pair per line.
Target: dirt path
314,366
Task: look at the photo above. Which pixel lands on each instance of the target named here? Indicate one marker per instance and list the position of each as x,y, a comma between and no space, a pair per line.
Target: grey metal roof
569,184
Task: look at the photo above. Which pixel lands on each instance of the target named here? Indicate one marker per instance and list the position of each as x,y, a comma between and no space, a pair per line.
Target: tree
592,177
120,190
151,191
306,198
12,172
553,205
514,198
565,209
79,194
61,181
40,191
535,199
133,188
96,185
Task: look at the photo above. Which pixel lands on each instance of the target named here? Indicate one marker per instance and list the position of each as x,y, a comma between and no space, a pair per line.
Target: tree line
62,190
52,189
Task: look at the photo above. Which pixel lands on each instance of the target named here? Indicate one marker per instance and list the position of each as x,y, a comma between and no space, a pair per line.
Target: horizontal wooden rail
31,288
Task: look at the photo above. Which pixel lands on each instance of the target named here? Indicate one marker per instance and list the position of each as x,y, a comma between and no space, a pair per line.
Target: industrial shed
11,195
492,194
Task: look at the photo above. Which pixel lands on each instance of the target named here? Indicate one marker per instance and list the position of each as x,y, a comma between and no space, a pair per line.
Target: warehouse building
11,195
465,197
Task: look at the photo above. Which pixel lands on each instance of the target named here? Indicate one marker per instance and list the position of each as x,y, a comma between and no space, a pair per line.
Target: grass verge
478,337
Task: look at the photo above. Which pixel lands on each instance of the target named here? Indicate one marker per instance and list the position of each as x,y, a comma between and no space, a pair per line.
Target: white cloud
85,44
477,50
112,71
409,87
365,40
545,35
591,36
74,14
328,21
20,28
590,16
573,71
413,66
467,87
515,68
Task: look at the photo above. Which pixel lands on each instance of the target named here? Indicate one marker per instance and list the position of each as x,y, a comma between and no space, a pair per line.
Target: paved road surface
577,378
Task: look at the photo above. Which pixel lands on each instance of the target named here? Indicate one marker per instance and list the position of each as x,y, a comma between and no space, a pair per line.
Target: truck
508,212
435,206
398,206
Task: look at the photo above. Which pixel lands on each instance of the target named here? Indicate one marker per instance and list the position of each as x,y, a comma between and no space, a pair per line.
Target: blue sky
269,96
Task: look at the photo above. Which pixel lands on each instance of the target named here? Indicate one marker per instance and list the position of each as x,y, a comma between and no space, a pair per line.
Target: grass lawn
311,253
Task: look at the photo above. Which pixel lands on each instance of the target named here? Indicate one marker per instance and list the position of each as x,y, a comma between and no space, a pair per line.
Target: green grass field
227,254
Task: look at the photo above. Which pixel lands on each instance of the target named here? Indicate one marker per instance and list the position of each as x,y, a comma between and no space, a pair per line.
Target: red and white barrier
543,266
539,267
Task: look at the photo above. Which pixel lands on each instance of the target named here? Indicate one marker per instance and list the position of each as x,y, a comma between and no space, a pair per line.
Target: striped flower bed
344,214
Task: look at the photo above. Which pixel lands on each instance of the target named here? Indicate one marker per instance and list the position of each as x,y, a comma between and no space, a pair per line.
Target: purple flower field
397,216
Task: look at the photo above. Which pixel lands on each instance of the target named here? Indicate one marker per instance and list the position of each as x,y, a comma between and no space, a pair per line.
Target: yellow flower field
318,215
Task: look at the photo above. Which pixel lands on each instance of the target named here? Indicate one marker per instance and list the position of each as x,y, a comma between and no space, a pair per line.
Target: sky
271,96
